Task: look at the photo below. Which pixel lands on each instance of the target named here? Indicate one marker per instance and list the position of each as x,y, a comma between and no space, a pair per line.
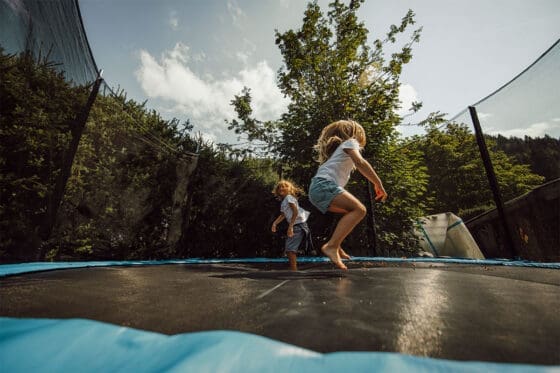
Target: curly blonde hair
293,188
336,133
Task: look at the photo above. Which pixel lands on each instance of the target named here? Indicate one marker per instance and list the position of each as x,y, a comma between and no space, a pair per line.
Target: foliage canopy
128,192
331,72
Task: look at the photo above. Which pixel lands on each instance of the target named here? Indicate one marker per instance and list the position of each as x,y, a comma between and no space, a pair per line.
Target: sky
188,58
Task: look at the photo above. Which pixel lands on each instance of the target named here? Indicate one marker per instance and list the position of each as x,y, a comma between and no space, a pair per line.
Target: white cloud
407,95
286,3
534,130
483,116
199,57
179,53
236,13
243,57
204,99
173,20
209,137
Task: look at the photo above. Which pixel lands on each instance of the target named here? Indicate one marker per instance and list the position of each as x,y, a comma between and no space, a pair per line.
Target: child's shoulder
351,143
351,140
290,198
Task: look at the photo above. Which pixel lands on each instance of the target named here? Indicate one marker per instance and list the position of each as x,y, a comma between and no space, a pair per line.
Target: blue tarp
78,345
14,269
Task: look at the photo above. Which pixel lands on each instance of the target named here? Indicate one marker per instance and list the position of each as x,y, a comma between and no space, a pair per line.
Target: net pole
492,181
371,220
60,186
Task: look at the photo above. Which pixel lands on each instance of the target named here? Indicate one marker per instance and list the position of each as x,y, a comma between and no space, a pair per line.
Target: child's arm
369,173
294,208
277,221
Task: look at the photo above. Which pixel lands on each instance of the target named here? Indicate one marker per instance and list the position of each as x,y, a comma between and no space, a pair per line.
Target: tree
132,153
330,72
37,110
122,199
541,153
457,180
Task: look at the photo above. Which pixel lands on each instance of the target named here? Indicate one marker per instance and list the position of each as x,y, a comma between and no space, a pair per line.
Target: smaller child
298,232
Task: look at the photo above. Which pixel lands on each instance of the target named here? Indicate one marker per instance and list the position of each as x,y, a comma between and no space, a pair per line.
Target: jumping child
339,148
298,231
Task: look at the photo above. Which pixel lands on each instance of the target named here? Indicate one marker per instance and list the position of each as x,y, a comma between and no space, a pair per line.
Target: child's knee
361,210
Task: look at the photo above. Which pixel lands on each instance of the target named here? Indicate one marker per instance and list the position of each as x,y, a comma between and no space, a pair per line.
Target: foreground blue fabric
14,269
78,345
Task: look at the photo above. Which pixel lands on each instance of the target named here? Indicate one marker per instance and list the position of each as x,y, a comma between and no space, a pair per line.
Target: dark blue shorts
293,243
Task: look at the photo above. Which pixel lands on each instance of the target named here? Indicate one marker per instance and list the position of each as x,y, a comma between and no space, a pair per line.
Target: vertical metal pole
492,181
371,219
58,193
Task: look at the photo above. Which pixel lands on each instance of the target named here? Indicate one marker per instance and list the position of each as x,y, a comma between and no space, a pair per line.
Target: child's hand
273,229
380,193
290,231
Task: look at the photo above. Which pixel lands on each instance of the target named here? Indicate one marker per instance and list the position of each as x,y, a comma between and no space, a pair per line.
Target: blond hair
293,188
335,134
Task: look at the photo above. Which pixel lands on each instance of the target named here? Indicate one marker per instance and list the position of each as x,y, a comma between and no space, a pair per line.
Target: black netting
526,105
49,82
502,178
50,29
113,187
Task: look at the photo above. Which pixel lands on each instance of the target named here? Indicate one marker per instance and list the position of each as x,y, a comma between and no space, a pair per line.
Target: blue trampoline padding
14,269
79,345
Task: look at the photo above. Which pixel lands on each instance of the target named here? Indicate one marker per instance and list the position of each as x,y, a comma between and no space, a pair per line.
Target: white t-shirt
287,210
339,165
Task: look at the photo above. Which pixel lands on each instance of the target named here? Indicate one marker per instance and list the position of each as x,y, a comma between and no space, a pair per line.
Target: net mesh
520,122
49,29
111,196
525,106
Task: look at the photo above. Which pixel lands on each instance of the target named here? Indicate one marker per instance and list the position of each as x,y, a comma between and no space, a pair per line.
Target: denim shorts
322,192
293,243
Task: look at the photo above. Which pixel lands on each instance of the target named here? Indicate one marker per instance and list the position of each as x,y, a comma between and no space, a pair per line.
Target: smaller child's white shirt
339,166
287,210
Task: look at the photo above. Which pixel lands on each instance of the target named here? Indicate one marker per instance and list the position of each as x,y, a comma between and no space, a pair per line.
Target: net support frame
493,182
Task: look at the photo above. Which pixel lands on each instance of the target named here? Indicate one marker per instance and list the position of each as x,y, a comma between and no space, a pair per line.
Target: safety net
66,132
51,30
526,105
499,181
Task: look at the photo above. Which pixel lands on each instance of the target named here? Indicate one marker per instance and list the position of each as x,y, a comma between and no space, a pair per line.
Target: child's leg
292,259
354,211
292,245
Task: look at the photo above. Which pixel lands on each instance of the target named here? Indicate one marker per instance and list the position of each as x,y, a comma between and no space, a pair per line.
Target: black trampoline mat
450,311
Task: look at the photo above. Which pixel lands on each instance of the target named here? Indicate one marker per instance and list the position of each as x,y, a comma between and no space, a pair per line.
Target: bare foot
332,253
343,254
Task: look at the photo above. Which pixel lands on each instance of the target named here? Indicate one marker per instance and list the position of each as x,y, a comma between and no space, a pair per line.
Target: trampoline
500,314
253,315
